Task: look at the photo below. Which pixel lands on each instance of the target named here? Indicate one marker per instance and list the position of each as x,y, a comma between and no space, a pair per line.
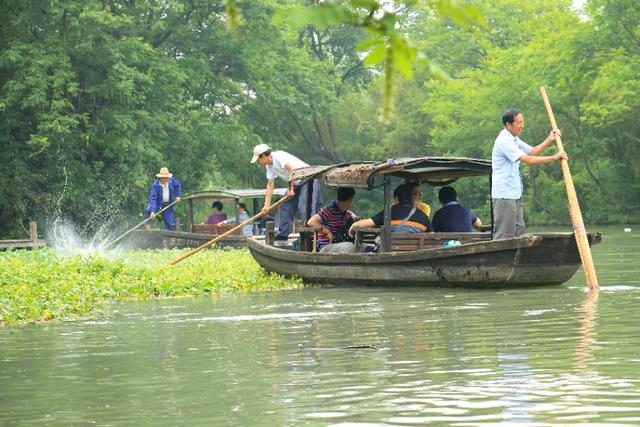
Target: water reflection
587,332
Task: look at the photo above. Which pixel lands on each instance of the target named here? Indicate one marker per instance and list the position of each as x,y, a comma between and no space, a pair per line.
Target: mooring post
33,230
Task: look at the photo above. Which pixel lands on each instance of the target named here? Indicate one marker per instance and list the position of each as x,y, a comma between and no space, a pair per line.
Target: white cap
259,149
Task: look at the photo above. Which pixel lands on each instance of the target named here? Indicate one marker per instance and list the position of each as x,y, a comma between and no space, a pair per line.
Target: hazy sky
578,3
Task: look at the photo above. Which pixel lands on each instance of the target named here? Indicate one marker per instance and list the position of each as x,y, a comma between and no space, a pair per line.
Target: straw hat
259,149
164,173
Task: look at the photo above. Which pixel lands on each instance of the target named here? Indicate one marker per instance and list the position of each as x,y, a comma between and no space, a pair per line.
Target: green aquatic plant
43,285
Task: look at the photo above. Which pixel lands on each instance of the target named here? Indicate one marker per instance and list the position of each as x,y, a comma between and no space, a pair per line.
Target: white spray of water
71,239
67,240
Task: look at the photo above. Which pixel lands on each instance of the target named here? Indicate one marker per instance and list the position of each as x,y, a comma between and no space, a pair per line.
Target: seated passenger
453,217
334,221
262,224
405,218
416,194
247,230
216,214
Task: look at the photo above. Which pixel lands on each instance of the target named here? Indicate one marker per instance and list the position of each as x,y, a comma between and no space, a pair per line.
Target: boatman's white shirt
165,193
280,159
505,177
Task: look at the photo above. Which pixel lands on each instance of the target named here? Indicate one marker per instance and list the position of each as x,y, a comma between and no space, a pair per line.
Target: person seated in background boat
262,224
405,217
334,221
216,216
164,191
452,216
247,230
416,194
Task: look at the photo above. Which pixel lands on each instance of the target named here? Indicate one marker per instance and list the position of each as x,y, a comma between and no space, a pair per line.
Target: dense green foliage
96,96
43,285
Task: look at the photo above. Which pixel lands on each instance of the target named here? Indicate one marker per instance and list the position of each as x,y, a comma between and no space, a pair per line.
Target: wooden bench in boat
213,229
399,241
416,241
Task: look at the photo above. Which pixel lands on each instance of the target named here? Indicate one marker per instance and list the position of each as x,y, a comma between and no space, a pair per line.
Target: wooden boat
420,259
196,234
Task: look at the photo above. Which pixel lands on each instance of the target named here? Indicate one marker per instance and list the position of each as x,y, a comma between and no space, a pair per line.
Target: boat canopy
241,193
436,170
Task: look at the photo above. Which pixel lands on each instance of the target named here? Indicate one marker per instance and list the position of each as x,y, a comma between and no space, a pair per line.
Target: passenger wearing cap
279,164
164,191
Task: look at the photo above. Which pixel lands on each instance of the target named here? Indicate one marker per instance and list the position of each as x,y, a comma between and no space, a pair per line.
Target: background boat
195,233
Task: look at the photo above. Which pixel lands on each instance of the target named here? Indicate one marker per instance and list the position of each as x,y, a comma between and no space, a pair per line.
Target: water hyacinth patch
43,285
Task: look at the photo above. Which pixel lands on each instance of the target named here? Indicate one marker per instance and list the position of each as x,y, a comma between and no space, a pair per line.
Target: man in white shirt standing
506,185
278,164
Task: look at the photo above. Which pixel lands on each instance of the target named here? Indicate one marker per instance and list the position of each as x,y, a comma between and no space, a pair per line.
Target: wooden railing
213,229
32,243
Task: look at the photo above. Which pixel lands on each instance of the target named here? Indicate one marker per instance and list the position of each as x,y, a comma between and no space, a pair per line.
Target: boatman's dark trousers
287,210
167,217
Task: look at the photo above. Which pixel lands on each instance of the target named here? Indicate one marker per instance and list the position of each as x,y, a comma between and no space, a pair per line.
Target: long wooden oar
233,230
138,225
574,208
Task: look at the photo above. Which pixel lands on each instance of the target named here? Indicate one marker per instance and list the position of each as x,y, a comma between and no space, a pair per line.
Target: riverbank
44,285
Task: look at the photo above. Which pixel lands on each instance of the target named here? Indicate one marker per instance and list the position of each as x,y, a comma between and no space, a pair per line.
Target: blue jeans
287,210
167,217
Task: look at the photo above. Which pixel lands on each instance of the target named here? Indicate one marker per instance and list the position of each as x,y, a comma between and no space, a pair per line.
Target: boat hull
533,259
166,239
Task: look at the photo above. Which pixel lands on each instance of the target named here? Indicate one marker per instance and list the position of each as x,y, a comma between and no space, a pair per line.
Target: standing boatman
279,164
506,184
164,191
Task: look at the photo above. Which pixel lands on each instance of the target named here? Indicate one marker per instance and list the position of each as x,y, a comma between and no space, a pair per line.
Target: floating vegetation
43,285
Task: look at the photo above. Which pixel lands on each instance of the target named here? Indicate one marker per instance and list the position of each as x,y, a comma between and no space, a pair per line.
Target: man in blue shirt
453,217
506,189
164,191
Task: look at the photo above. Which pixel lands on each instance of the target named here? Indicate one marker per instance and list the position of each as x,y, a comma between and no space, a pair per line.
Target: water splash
65,237
99,226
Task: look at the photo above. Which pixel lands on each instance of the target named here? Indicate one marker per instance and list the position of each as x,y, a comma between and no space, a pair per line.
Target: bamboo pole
137,225
574,208
233,230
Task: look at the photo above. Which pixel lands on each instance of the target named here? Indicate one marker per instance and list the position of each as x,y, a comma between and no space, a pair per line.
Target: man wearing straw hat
506,185
164,191
279,164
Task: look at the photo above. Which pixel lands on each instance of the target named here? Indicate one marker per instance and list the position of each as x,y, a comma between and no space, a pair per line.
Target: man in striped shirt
334,221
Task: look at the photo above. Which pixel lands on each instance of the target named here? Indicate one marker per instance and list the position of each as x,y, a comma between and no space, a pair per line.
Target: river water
537,356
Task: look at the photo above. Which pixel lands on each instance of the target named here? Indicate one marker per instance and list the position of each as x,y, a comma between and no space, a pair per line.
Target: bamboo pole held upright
574,208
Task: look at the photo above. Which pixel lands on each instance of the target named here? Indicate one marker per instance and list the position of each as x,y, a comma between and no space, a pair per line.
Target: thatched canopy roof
414,169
